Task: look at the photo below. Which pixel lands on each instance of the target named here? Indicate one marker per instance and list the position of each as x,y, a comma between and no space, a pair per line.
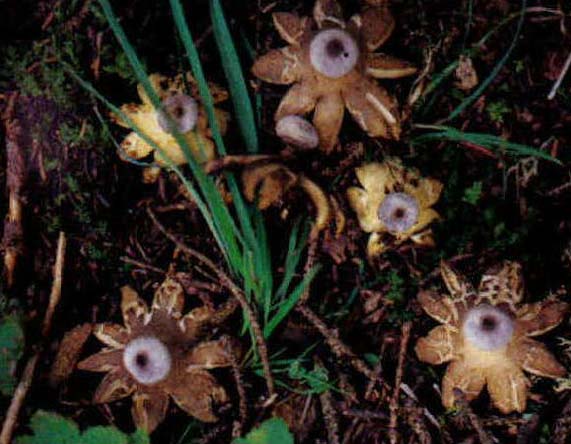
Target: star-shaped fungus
394,205
156,355
181,110
487,336
269,182
332,65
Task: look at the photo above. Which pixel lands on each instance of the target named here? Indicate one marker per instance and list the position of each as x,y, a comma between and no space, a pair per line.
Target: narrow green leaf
288,304
233,70
222,220
494,143
198,72
495,71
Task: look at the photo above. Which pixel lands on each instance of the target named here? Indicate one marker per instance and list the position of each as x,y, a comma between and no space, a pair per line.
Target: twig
394,403
329,417
414,417
472,417
242,405
377,371
328,411
309,263
332,339
236,292
28,373
233,161
142,265
365,414
562,430
16,177
559,80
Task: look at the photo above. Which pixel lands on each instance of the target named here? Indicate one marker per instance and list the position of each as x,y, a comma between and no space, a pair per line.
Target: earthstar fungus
158,354
269,182
181,110
332,65
394,205
487,336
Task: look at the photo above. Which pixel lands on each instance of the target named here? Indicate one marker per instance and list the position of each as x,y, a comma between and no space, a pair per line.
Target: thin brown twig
142,265
16,178
394,403
332,339
242,405
236,292
377,371
414,416
309,263
462,402
328,411
365,414
233,161
30,368
562,430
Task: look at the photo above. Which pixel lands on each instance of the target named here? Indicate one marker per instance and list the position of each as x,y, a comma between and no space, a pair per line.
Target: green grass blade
289,303
196,66
227,231
494,143
296,245
194,60
233,71
114,109
484,85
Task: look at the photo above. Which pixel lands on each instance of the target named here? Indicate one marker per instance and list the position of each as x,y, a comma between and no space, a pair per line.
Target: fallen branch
462,402
329,417
332,339
16,177
394,403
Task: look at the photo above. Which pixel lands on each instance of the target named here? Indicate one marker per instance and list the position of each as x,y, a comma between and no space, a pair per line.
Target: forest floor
496,133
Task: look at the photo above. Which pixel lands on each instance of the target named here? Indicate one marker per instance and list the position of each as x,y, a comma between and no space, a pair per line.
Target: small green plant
317,379
51,428
272,431
497,111
11,348
396,287
473,193
240,232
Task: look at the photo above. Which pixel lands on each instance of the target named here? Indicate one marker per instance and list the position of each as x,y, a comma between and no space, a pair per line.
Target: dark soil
493,207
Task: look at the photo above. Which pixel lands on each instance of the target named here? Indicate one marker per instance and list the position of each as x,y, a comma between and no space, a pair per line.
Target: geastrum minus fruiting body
157,354
487,336
332,65
394,205
182,111
267,184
